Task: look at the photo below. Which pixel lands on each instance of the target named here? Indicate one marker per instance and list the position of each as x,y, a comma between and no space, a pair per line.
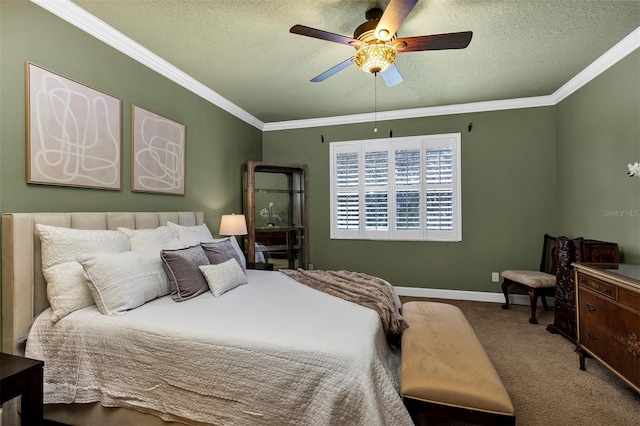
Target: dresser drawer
597,309
629,298
606,289
613,350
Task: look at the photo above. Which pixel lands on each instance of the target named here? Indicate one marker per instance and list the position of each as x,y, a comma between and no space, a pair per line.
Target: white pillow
67,289
224,276
236,246
191,235
148,239
123,281
61,245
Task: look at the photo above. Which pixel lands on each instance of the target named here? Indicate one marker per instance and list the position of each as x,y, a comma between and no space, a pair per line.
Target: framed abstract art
157,153
74,132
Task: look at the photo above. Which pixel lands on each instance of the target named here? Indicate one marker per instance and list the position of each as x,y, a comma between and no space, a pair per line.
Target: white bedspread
271,352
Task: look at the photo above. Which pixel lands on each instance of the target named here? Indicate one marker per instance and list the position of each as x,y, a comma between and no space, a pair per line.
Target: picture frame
158,156
73,132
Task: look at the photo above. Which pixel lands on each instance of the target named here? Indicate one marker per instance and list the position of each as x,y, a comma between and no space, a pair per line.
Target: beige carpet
541,372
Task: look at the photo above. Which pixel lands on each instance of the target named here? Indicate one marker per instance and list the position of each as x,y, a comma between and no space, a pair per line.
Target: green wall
217,142
558,170
526,172
508,198
598,135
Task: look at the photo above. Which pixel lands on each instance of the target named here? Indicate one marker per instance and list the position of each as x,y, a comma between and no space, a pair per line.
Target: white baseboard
476,296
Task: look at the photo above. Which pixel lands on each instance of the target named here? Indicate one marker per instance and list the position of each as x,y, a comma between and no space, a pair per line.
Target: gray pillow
221,251
181,266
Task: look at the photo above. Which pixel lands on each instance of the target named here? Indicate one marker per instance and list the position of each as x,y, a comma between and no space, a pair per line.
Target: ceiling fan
377,44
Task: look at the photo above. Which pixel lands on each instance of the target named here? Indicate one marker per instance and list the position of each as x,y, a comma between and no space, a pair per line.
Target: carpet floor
541,371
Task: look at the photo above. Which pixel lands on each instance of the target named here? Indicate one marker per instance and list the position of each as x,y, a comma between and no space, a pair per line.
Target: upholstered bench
445,372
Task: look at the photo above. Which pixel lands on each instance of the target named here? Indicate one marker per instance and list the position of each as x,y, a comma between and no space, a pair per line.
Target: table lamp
233,224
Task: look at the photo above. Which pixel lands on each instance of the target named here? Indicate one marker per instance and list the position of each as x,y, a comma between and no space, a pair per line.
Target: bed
269,351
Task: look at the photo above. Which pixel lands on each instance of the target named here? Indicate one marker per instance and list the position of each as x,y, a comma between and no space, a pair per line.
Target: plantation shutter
396,188
376,189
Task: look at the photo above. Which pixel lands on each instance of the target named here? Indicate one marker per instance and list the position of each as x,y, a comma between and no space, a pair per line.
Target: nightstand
261,266
23,376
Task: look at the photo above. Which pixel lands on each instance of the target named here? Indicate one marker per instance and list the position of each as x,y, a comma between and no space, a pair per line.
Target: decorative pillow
181,266
67,288
154,238
221,251
224,276
123,281
191,235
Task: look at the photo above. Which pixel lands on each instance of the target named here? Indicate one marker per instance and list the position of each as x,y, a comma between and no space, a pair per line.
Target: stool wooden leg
533,298
505,291
544,302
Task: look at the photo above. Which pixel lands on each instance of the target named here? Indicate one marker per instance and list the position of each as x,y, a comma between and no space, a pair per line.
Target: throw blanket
365,290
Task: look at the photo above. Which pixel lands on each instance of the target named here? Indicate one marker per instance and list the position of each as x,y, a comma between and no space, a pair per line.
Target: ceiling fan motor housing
366,32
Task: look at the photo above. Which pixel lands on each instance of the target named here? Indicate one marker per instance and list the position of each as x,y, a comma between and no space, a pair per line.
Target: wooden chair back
548,262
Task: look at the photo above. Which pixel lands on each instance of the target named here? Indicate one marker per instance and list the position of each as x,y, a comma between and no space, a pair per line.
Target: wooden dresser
608,316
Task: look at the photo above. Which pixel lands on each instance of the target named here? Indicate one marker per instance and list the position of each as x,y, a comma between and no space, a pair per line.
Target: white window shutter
397,188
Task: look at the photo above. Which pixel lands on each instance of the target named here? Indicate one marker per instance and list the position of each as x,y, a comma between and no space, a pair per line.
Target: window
397,189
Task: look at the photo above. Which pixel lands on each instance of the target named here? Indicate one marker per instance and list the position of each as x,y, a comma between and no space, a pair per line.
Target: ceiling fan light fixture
375,57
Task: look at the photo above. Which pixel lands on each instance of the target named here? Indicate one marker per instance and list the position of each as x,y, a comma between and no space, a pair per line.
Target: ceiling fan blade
393,16
434,42
331,71
324,35
391,76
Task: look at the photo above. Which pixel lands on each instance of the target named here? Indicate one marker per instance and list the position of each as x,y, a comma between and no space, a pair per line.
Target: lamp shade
233,224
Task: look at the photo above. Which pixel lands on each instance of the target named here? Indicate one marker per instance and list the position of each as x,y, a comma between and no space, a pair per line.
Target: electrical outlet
495,277
311,266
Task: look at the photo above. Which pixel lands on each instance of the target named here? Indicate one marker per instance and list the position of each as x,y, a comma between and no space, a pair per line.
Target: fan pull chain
375,102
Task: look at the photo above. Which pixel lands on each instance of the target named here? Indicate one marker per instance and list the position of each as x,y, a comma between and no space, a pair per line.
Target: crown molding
75,15
533,102
88,23
619,51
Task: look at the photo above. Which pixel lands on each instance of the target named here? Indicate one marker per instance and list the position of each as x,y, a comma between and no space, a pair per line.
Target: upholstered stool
535,283
540,283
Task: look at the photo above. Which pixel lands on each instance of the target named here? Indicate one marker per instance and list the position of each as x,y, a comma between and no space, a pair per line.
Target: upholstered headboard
24,290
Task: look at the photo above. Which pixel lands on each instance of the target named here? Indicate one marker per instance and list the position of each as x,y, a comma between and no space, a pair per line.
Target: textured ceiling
243,50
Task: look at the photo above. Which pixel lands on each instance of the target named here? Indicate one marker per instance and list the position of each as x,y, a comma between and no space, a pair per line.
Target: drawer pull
607,291
591,336
590,308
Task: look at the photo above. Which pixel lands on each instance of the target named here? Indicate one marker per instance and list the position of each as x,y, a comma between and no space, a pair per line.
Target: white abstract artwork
158,153
73,133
